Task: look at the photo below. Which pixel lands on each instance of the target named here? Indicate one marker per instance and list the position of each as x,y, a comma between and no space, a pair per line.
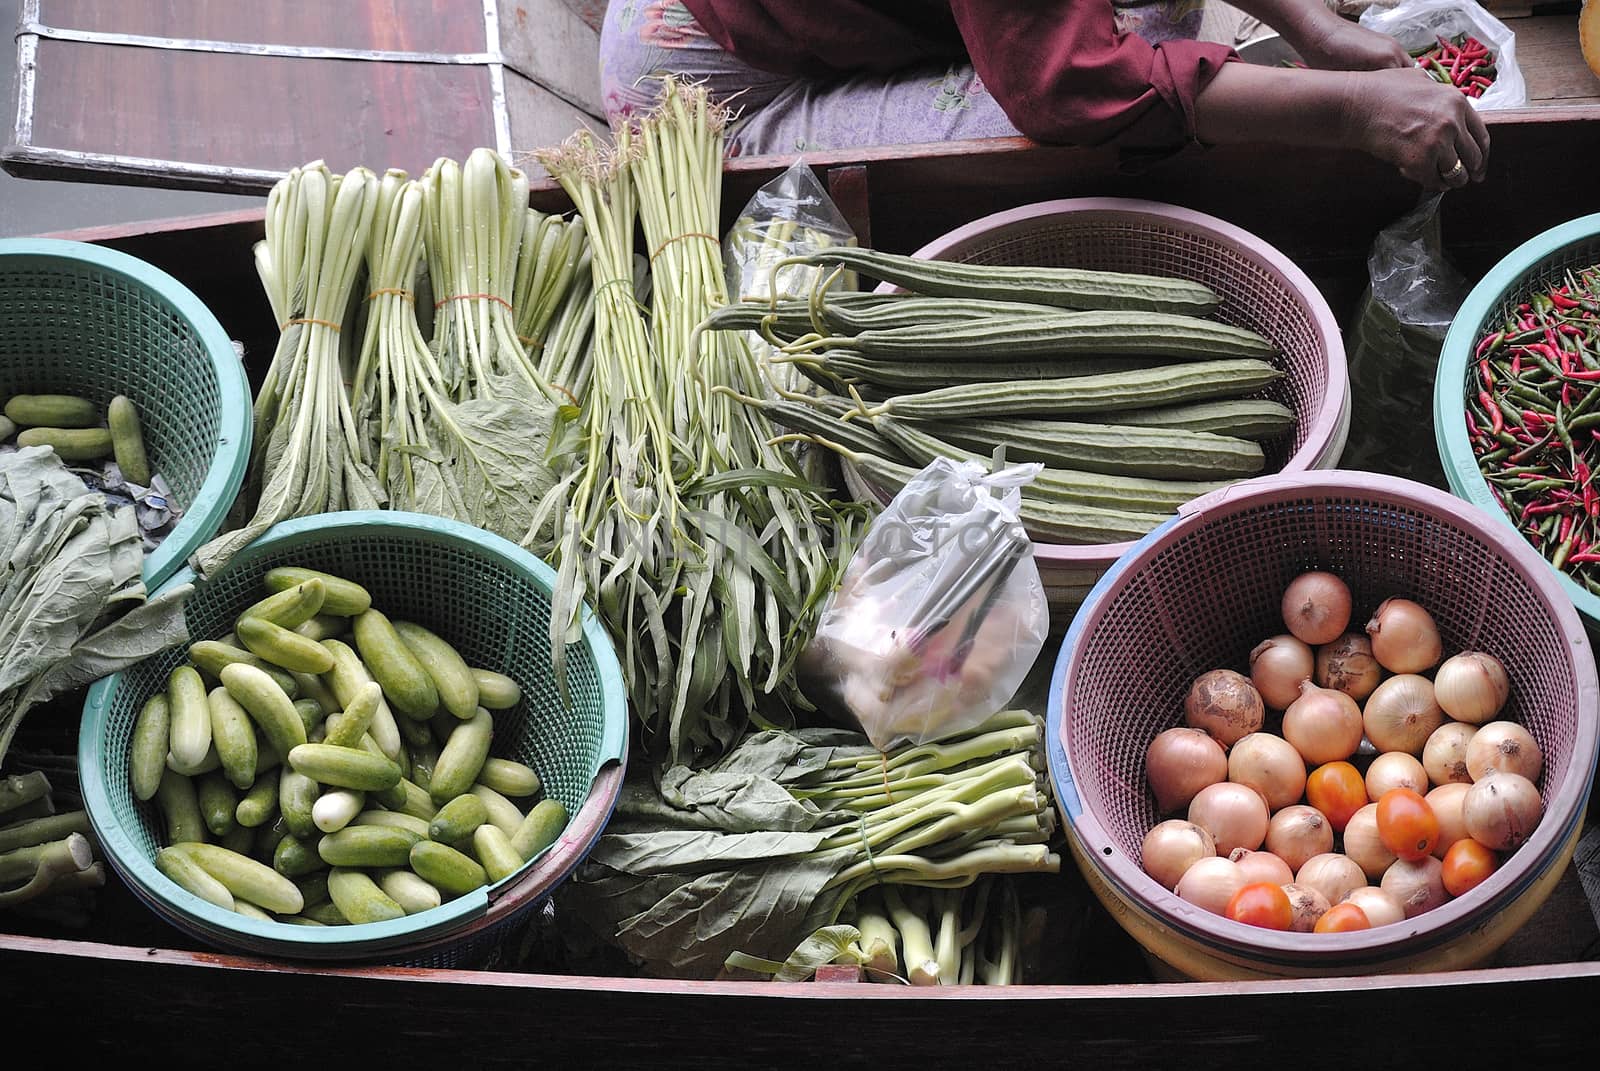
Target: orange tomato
1263,904
1407,825
1338,790
1342,918
1466,865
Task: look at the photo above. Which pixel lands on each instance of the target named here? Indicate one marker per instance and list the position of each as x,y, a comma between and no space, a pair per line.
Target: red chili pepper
1566,362
1585,375
1488,342
1566,528
1571,330
1472,426
1531,419
1584,558
1561,301
1566,395
1496,420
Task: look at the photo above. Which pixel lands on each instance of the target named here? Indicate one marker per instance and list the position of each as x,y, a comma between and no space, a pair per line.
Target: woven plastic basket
1261,289
79,319
1200,591
1536,264
491,600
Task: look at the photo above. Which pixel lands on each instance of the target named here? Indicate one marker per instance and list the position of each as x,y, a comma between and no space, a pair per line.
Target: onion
1298,833
1308,906
1316,607
1504,745
1277,666
1501,810
1419,885
1172,847
1324,725
1472,686
1331,874
1210,884
1395,769
1405,638
1224,704
1270,765
1346,665
1261,867
1447,801
1401,713
1235,815
1363,845
1180,762
1382,907
1444,756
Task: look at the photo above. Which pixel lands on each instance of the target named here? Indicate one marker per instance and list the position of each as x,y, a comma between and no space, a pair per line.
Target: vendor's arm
1401,116
1324,39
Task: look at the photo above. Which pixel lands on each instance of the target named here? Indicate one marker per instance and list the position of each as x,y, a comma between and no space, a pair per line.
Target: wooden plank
545,42
1551,62
445,26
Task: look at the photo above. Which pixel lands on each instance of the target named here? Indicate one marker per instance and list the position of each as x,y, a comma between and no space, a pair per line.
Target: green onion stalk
306,453
554,257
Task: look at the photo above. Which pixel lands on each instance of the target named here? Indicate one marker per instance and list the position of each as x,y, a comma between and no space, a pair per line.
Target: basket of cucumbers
102,357
365,754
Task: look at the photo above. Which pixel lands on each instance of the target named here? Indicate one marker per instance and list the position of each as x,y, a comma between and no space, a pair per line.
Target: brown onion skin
1316,607
1308,905
1405,638
1278,665
1180,762
1502,810
1346,665
1225,704
1340,721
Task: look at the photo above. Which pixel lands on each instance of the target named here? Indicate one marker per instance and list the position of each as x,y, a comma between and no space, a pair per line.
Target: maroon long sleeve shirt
1059,70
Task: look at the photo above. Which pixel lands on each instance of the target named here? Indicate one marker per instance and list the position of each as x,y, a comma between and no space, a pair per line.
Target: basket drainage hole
1106,850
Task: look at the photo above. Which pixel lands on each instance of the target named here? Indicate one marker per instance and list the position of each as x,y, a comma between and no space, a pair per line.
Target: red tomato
1338,790
1263,904
1342,918
1466,864
1406,824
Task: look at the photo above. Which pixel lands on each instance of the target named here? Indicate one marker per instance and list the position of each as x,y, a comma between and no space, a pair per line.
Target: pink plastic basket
1200,591
1261,289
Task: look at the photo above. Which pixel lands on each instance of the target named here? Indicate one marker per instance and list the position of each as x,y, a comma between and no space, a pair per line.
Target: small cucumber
127,440
348,674
347,727
191,716
462,757
210,762
343,598
70,444
190,876
423,758
415,733
454,873
456,820
8,428
259,804
52,411
367,846
217,800
323,627
313,886
310,712
345,767
180,809
267,838
315,686
296,857
495,851
408,798
496,691
251,911
412,893
540,829
238,839
289,608
452,678
147,749
326,913
247,879
405,681
503,812
297,797
267,704
233,734
359,899
284,649
509,777
211,655
336,807
267,757
393,819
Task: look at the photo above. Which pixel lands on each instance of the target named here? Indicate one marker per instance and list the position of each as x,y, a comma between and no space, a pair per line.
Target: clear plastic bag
1412,296
1417,23
789,216
940,614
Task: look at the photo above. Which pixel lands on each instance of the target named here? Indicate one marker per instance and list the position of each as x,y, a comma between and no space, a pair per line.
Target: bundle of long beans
1533,420
705,554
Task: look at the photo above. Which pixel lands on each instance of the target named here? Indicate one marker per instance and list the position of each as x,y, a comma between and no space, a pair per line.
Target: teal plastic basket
79,319
489,598
1537,263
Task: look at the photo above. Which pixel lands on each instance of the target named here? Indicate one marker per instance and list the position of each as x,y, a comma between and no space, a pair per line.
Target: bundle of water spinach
324,764
1125,387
